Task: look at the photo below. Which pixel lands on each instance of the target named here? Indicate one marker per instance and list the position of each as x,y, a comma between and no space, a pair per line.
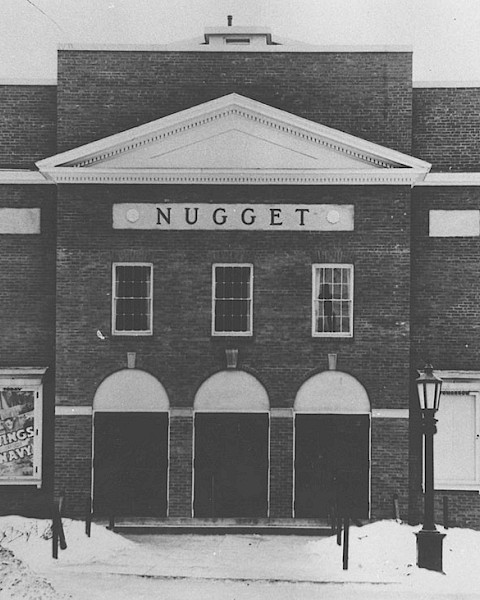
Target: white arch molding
332,392
131,390
231,391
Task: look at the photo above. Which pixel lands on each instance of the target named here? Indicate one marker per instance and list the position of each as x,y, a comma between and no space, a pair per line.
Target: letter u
187,215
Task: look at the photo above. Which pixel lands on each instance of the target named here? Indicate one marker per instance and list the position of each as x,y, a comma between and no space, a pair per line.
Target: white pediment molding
234,140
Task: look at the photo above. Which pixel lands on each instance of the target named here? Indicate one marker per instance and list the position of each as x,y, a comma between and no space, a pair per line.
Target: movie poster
16,433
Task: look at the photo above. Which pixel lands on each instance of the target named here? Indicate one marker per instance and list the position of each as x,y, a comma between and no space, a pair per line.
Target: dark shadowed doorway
130,464
331,464
231,465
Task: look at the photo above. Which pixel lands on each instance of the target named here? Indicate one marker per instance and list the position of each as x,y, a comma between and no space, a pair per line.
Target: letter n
161,214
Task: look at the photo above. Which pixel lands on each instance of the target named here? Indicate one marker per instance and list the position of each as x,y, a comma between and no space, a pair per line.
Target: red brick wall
365,94
389,467
446,122
73,461
463,508
27,281
445,290
180,466
445,320
28,116
281,466
282,353
27,324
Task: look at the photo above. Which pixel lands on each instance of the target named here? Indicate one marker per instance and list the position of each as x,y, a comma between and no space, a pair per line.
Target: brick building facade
223,263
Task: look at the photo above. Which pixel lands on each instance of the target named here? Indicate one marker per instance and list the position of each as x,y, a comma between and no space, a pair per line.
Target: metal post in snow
61,532
346,531
111,523
396,507
54,534
339,529
88,516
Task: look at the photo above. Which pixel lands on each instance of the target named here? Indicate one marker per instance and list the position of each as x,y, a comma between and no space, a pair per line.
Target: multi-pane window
232,299
132,299
332,300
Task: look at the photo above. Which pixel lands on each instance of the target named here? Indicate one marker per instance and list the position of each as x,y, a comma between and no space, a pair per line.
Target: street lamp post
429,540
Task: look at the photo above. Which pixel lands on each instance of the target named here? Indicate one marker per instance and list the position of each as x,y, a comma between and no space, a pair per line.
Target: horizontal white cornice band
405,176
450,179
20,176
198,45
385,177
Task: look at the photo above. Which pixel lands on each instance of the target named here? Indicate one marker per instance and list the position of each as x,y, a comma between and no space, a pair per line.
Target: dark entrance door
231,465
130,464
331,460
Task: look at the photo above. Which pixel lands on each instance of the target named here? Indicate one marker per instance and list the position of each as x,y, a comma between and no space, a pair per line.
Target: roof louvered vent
240,35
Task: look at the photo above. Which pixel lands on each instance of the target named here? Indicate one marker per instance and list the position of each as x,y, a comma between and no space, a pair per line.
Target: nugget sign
246,217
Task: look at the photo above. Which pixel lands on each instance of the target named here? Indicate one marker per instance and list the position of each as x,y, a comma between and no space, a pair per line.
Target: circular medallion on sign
333,216
133,215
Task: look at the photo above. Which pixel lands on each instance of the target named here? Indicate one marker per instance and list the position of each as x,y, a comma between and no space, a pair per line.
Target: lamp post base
430,549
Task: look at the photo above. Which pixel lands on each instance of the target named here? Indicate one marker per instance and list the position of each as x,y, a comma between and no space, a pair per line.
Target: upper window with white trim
232,299
332,300
132,299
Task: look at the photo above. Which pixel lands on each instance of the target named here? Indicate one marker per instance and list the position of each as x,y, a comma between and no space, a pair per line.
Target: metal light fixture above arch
231,391
332,392
131,390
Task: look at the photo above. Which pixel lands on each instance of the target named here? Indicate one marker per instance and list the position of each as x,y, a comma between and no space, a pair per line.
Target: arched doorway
130,446
332,446
231,447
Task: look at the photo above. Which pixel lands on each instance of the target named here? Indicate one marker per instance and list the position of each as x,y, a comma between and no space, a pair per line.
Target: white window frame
247,333
145,332
28,379
332,334
467,383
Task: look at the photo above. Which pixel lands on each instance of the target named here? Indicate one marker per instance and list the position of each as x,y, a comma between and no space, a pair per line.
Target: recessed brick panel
28,124
180,466
281,466
362,93
446,122
445,284
281,353
389,467
73,461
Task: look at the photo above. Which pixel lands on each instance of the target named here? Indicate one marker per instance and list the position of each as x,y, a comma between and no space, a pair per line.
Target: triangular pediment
233,139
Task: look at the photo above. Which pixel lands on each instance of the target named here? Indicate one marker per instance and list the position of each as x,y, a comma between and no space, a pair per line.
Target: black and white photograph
239,299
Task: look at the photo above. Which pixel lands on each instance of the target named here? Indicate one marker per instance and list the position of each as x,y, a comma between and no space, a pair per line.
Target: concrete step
218,526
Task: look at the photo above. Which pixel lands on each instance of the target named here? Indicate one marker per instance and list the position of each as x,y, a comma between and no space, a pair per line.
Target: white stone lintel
390,413
73,411
284,413
181,411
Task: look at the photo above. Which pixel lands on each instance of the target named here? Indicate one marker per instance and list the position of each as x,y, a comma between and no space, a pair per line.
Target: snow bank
382,552
386,551
31,541
18,582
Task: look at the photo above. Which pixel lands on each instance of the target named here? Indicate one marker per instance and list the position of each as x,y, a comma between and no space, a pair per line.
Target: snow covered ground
108,565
